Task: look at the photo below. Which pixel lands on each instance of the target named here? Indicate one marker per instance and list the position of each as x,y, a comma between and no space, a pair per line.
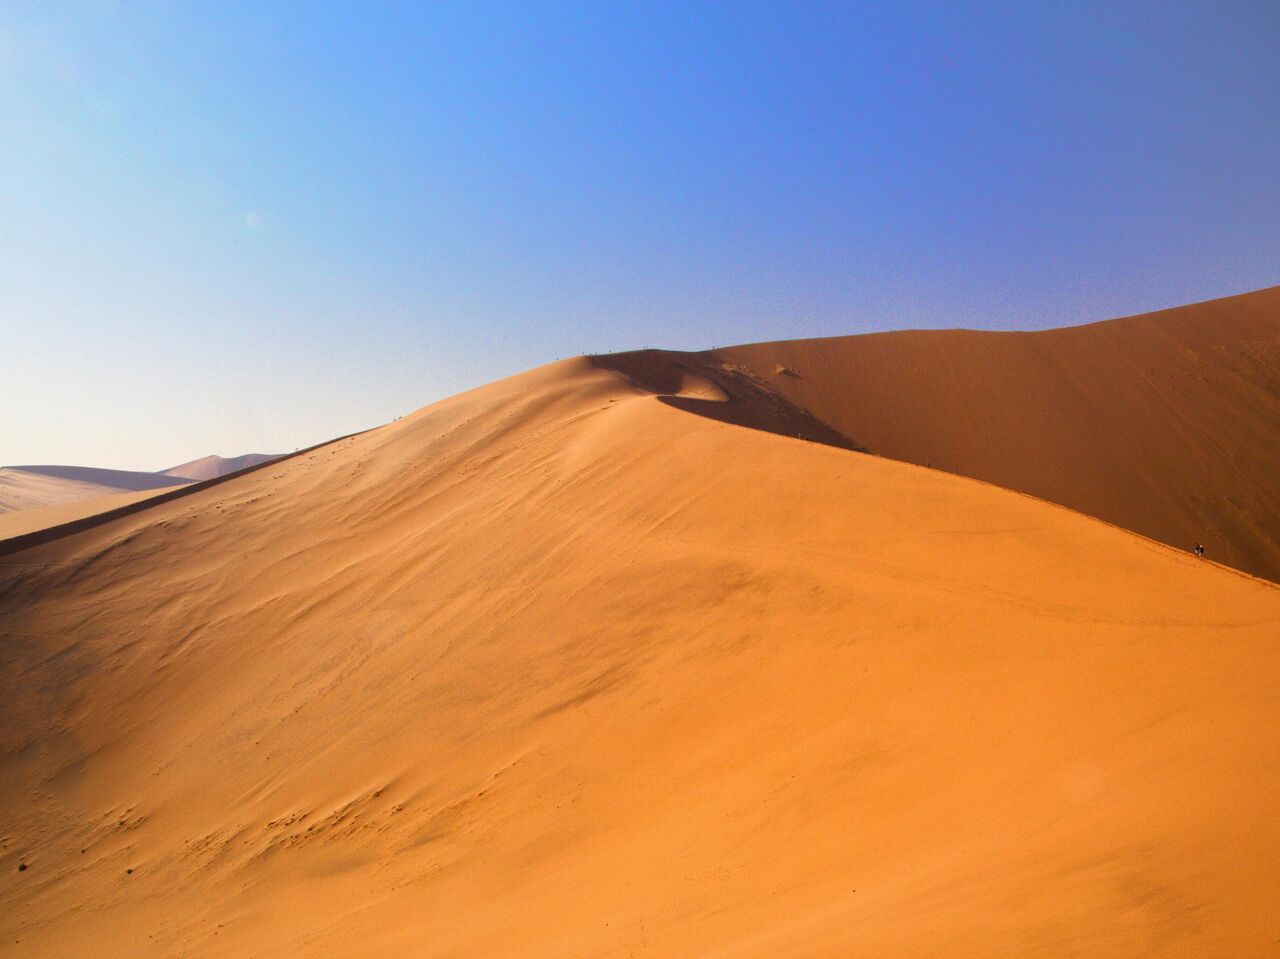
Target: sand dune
50,495
559,668
21,490
31,487
210,467
24,521
1163,423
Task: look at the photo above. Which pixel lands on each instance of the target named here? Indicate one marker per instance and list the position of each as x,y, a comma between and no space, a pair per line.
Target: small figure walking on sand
1199,551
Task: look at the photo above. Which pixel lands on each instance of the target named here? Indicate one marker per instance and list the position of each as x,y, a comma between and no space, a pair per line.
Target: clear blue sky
249,227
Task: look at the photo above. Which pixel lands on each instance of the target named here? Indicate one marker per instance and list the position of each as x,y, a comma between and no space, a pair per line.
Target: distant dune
21,490
559,668
211,467
33,487
21,521
29,487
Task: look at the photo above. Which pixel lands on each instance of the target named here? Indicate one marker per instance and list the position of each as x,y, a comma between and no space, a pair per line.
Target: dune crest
1163,423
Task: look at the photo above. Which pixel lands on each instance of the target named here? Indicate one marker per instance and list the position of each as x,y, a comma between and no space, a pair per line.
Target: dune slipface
559,668
1164,423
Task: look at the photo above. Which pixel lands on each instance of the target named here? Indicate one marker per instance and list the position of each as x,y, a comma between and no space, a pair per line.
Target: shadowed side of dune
741,398
1165,424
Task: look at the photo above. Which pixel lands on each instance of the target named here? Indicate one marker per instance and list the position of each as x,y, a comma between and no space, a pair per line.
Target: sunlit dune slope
558,668
1164,423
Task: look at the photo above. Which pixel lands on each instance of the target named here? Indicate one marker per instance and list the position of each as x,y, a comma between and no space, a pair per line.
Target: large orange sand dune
557,668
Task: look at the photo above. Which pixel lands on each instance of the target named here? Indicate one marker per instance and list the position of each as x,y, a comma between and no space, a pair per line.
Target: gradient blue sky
249,227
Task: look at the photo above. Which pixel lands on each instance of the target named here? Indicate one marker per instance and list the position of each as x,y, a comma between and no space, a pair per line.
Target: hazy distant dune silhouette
210,467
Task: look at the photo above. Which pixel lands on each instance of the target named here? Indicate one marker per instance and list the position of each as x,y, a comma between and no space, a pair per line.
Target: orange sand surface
1165,423
559,667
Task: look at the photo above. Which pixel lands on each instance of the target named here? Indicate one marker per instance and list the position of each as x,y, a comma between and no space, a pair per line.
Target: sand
37,497
562,667
210,467
1163,423
19,522
22,490
33,487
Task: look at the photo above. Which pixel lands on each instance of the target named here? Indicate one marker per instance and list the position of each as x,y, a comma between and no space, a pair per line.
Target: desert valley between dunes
889,645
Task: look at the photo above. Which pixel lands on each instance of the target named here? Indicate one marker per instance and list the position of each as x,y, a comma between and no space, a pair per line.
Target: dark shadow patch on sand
750,401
